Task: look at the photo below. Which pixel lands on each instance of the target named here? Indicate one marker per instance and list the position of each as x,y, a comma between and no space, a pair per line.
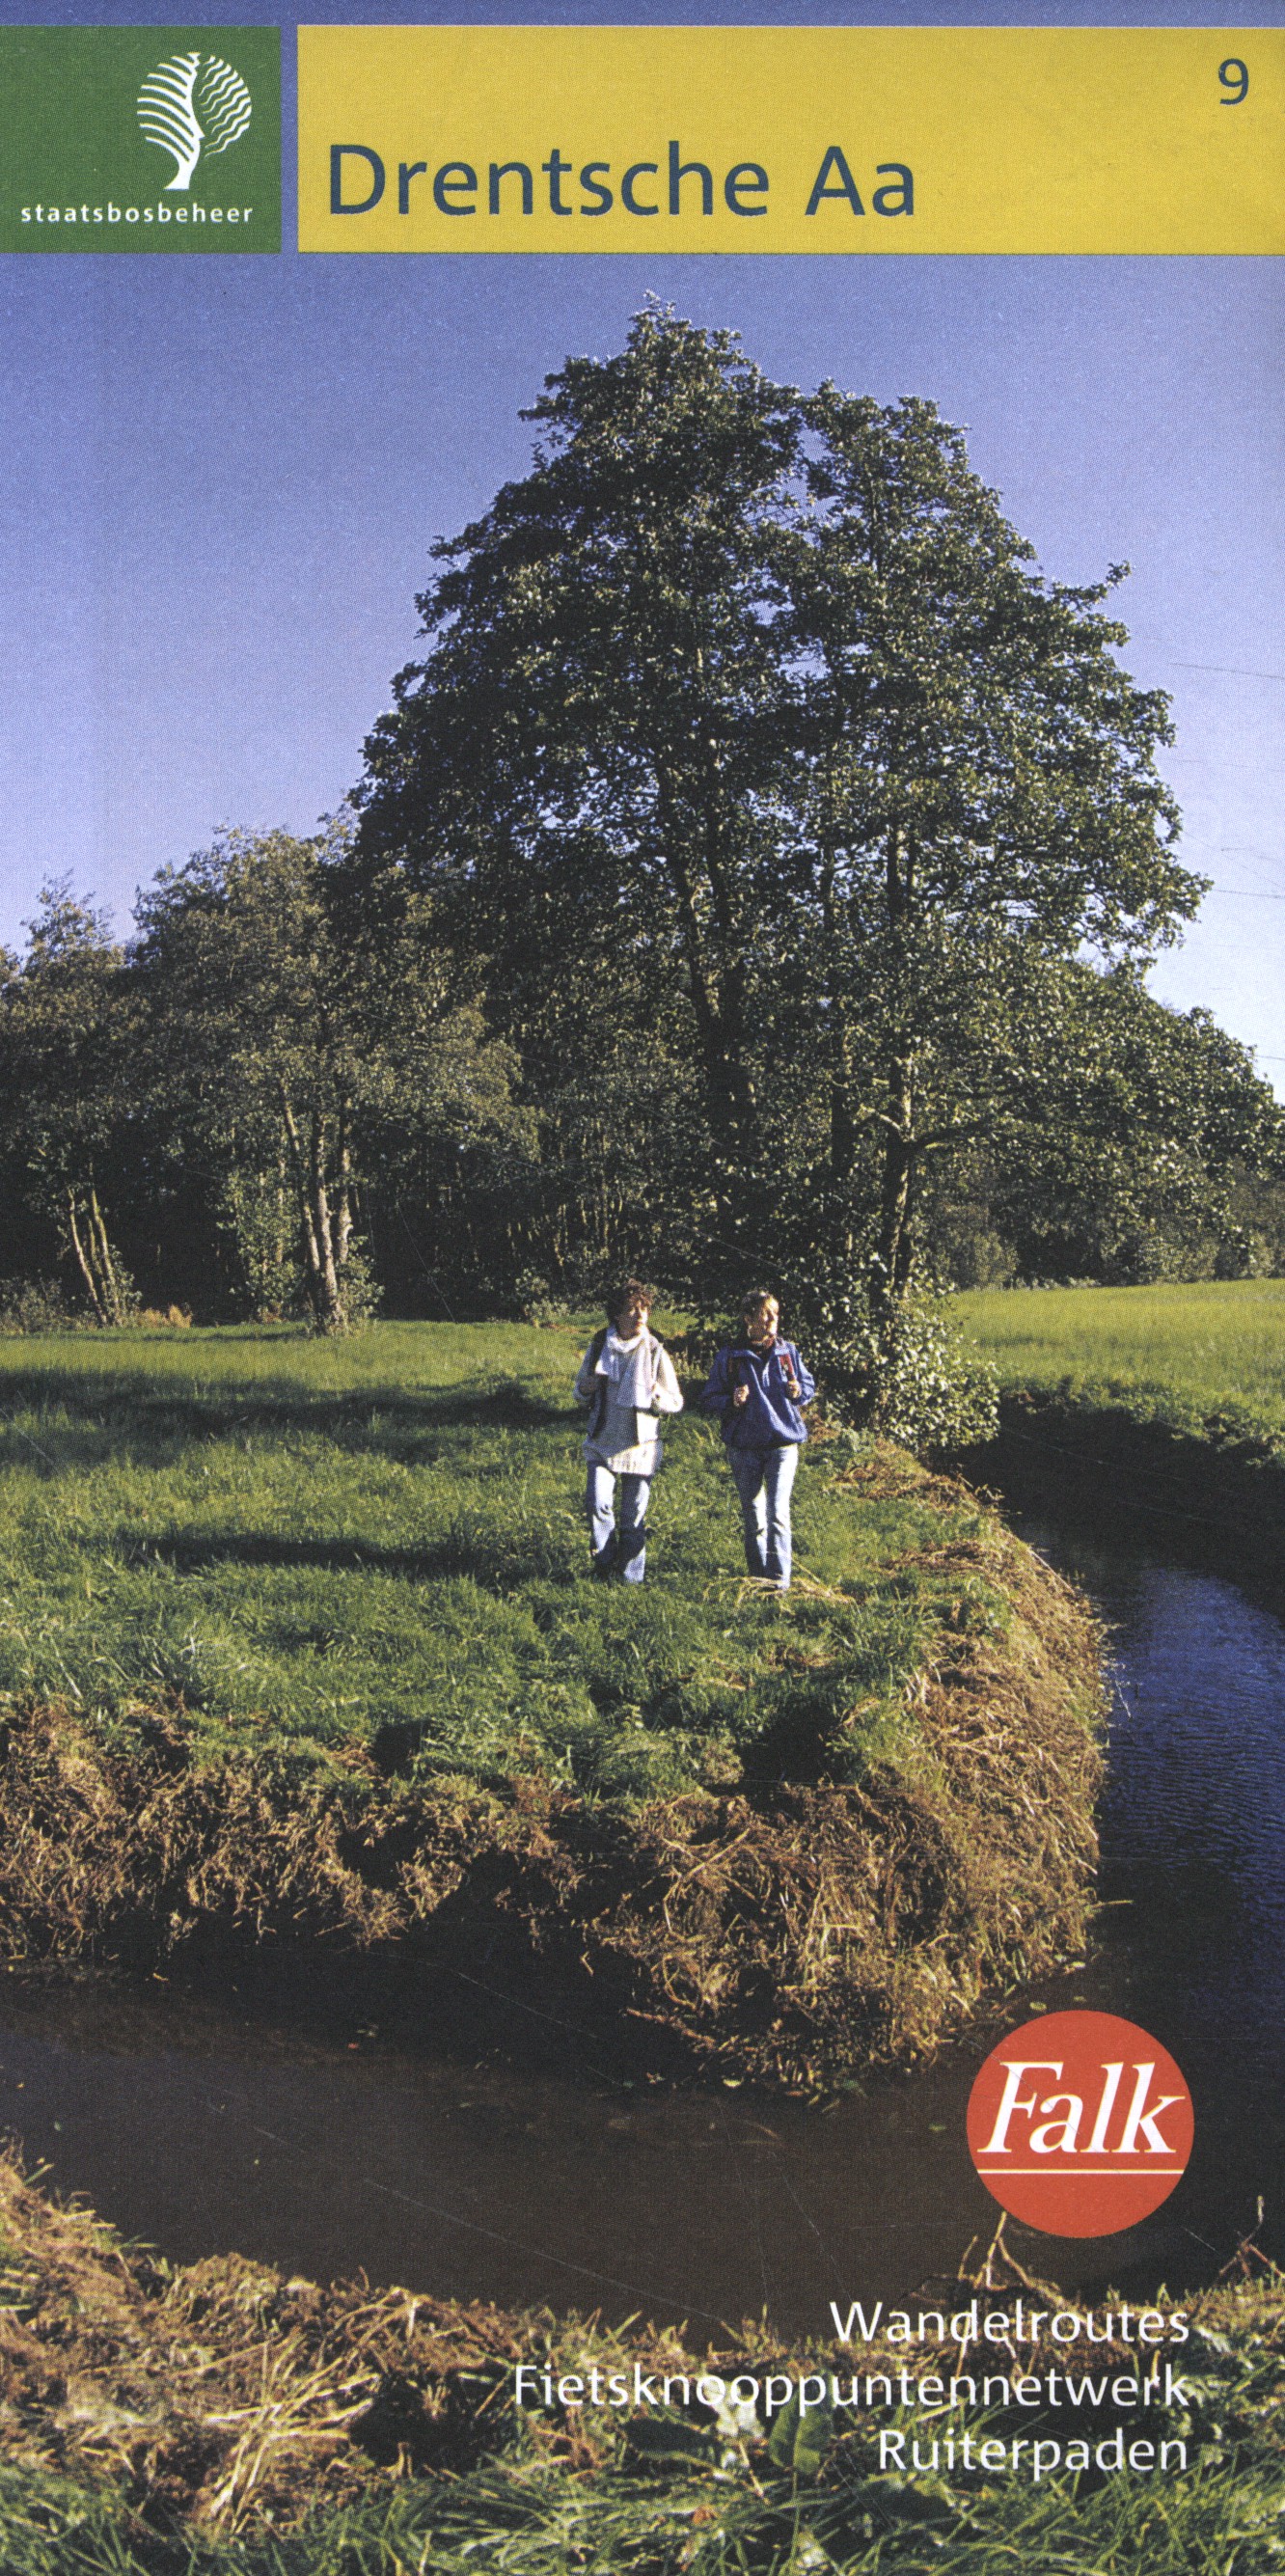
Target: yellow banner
834,139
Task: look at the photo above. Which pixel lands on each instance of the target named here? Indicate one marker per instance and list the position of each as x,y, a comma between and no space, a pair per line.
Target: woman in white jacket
627,1380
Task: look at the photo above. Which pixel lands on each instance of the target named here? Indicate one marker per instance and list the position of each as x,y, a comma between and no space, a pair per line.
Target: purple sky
220,479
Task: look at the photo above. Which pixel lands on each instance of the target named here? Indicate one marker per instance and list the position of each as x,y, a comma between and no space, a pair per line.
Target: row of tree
757,873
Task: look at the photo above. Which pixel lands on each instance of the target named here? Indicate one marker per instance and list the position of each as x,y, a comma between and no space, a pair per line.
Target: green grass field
305,1543
1189,1356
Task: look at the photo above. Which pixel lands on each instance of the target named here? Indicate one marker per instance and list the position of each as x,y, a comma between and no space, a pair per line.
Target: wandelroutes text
999,2376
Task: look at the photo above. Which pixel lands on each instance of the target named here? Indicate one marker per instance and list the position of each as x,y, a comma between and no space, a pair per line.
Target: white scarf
630,1368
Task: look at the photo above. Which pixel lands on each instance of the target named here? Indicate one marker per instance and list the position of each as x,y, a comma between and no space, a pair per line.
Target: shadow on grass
496,1561
103,1413
798,1743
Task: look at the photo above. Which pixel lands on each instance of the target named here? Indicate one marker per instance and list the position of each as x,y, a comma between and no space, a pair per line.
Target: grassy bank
1172,1398
1206,1354
297,1642
222,2421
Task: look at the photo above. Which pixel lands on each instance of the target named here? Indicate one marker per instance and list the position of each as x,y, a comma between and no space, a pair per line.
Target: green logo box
140,138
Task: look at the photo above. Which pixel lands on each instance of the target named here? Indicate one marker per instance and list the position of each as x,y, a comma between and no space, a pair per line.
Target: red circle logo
1080,2124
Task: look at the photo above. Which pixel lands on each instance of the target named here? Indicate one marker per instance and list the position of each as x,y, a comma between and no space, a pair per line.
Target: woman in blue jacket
757,1386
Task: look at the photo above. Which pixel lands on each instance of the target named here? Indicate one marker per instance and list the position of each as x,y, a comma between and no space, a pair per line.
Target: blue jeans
764,1478
626,1554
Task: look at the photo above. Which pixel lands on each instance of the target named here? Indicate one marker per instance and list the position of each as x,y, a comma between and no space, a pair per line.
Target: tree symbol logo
193,101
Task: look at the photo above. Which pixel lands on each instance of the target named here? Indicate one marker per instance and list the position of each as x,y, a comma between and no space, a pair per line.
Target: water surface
204,2126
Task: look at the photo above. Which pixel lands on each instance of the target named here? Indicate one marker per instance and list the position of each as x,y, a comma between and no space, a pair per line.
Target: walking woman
757,1386
626,1378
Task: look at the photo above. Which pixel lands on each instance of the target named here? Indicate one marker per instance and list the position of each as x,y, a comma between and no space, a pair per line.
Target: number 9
1234,76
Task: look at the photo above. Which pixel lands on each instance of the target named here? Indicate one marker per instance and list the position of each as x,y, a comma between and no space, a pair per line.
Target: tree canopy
749,731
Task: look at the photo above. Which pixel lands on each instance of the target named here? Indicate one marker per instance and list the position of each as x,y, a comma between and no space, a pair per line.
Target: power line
1225,670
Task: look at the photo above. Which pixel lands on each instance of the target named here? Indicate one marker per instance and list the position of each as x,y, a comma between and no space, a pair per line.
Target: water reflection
1193,1822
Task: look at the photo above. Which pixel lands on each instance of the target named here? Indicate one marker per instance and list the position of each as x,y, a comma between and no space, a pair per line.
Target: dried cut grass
786,1934
225,2394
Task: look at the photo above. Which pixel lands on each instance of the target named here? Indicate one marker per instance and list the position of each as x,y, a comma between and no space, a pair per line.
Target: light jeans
764,1479
625,1554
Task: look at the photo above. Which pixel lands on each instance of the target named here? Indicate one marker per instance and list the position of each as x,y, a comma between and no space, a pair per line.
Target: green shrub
909,1374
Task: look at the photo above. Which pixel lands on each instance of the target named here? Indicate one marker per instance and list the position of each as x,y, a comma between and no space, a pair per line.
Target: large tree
591,767
747,717
981,801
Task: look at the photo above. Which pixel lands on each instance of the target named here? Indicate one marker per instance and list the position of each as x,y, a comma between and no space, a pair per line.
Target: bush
908,1374
537,1301
37,1306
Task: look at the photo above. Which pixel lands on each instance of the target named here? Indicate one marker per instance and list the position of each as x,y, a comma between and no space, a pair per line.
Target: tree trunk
329,1296
890,1270
314,1211
717,1005
82,1259
113,1297
344,1220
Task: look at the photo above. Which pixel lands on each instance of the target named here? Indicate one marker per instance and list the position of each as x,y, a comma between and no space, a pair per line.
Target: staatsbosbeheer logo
164,139
1080,2124
193,103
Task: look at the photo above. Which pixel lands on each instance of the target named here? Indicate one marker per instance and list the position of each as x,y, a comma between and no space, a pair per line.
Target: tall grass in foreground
312,1548
1187,1355
1214,2520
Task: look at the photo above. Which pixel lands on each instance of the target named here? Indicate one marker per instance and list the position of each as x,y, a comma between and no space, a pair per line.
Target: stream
204,2125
